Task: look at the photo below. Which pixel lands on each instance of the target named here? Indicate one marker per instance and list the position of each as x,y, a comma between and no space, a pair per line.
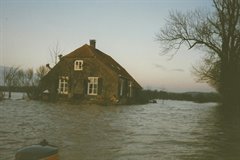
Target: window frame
92,87
63,85
78,65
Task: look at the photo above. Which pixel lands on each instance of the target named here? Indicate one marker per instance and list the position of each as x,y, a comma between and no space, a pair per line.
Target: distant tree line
199,97
17,77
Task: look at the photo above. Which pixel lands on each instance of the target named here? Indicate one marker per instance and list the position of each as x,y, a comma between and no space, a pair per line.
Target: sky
124,29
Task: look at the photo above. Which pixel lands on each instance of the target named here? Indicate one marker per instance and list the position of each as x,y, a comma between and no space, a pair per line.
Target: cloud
177,70
160,66
163,68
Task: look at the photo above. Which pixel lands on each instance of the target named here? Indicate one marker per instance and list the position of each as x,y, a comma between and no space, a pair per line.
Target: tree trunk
230,84
9,95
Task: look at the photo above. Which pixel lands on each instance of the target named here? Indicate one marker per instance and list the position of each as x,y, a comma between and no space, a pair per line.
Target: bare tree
29,74
17,77
40,73
10,78
218,33
55,52
21,77
208,70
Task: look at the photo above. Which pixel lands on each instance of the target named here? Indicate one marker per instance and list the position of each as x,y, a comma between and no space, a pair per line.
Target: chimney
60,56
93,43
48,66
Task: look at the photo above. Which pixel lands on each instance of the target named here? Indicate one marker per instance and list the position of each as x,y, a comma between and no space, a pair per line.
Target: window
130,89
78,65
121,87
92,85
63,85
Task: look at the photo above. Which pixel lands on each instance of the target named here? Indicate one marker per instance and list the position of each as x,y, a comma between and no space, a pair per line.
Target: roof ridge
91,49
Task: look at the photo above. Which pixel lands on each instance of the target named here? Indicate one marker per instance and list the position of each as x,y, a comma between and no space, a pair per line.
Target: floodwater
166,130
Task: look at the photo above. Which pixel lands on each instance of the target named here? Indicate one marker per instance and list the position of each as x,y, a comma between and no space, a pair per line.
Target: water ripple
173,130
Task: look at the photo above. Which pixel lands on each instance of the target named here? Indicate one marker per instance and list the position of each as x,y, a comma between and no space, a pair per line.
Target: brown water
169,130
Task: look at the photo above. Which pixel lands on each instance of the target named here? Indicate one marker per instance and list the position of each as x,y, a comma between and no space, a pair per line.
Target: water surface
166,130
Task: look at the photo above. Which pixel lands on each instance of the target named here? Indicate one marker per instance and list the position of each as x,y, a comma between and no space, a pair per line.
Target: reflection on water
169,130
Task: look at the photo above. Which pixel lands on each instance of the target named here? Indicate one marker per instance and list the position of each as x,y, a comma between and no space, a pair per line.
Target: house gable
87,51
97,74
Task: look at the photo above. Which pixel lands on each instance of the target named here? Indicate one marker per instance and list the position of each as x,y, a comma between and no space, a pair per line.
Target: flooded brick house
89,75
